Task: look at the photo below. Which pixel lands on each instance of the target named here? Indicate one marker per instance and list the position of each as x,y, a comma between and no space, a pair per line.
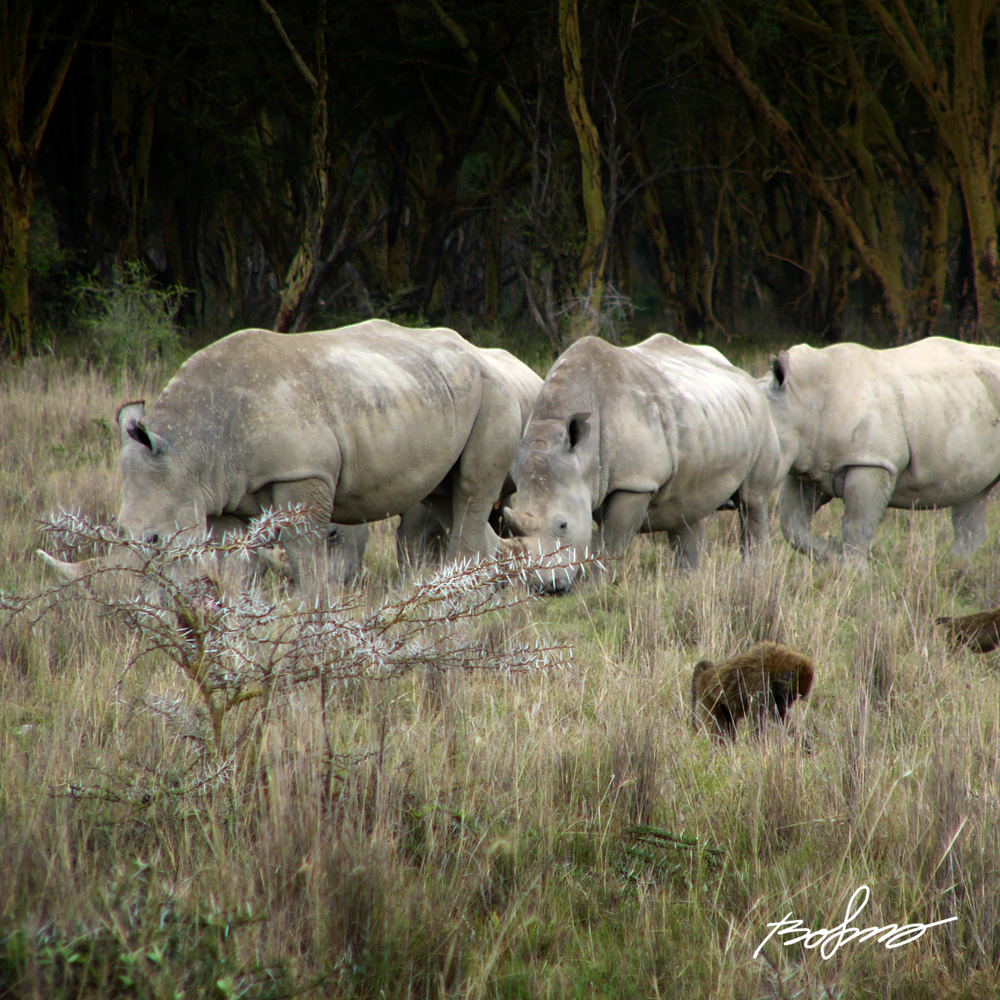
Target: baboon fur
761,682
981,631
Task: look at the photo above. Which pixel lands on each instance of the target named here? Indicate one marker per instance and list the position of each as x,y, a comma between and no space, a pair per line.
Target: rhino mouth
553,581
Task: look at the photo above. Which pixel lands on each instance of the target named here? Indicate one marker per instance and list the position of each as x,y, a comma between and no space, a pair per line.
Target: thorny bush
245,647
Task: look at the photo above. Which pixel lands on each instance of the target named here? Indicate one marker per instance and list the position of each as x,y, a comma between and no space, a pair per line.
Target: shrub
239,651
129,322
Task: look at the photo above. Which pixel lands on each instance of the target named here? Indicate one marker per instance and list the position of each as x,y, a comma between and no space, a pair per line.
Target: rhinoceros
421,535
358,424
653,437
916,427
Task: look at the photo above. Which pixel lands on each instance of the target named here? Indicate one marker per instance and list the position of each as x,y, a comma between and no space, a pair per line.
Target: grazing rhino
915,427
358,423
421,536
653,437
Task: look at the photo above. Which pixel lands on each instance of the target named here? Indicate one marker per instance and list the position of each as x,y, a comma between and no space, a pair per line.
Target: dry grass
475,835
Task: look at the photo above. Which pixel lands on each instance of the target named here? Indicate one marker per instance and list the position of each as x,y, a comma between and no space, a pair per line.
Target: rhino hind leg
798,501
968,520
867,489
752,511
345,546
421,538
687,543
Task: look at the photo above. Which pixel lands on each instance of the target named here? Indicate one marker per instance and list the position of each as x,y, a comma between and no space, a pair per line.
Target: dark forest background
571,166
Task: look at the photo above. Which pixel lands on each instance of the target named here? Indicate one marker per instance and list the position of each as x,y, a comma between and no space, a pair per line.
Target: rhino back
669,420
516,377
718,427
372,409
928,412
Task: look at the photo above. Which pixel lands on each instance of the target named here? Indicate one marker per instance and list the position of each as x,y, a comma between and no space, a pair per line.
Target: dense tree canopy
567,161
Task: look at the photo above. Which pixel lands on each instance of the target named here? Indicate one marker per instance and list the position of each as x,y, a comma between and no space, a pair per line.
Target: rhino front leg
968,520
798,501
345,548
477,482
623,516
307,554
867,489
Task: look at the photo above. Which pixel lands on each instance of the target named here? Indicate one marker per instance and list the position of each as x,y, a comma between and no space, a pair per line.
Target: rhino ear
130,417
578,428
779,367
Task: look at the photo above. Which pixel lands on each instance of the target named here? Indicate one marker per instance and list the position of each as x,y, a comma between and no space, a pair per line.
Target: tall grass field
441,832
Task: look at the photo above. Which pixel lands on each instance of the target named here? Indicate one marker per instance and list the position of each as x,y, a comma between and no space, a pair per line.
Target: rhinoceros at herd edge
374,420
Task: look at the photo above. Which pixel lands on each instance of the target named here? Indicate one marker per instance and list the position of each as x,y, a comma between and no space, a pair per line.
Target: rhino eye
562,525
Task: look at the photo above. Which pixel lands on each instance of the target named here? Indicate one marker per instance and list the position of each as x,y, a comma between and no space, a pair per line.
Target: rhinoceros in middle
916,426
653,437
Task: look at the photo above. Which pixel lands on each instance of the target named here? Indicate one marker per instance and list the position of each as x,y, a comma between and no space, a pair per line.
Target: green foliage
153,945
128,322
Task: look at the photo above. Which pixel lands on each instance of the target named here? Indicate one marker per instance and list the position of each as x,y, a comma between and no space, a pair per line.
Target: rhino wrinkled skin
653,437
358,423
915,427
421,537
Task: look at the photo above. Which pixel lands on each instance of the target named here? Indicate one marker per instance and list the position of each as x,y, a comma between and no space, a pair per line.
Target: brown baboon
981,631
762,682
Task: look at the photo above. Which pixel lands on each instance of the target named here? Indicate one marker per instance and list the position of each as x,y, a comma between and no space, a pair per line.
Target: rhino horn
518,526
68,570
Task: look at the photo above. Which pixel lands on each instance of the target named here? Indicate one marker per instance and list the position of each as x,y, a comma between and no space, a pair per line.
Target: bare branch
306,72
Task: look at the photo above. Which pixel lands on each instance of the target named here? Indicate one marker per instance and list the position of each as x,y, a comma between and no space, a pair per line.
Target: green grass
482,836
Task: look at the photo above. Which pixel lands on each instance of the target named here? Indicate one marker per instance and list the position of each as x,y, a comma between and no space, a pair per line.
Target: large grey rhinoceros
358,423
653,437
915,426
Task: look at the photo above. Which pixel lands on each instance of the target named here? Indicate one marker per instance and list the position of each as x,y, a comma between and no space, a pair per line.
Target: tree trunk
837,285
491,278
586,312
130,136
652,217
316,194
696,274
965,115
936,196
19,142
812,178
15,215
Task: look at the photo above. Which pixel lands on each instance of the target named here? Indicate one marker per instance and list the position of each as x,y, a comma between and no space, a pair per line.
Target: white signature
828,941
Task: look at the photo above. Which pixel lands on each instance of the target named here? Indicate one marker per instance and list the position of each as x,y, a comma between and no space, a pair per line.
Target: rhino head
791,413
159,496
554,509
155,500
